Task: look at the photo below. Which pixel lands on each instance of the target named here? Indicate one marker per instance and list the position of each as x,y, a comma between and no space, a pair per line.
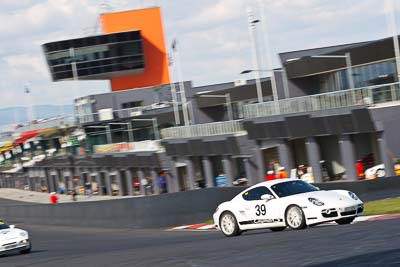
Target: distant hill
12,115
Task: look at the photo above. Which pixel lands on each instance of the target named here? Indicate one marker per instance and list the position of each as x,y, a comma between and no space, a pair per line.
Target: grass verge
209,222
385,206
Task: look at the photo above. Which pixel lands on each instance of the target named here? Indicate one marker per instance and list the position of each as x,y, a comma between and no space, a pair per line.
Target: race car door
259,213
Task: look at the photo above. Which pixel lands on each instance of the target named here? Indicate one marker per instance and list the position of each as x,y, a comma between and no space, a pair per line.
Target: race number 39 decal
260,210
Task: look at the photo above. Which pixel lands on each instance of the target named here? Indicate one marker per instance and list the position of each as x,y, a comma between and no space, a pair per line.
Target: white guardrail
365,96
205,129
67,121
109,113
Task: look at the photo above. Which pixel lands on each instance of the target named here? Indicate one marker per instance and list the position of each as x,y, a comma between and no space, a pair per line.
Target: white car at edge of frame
13,239
377,171
283,203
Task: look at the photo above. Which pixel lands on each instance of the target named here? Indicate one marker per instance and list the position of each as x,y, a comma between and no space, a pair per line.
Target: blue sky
212,35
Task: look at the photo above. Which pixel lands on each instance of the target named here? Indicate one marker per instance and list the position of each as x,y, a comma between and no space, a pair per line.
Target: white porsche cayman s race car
285,203
13,239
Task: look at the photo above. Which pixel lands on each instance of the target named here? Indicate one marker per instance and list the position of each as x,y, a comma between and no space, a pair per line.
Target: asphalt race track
374,243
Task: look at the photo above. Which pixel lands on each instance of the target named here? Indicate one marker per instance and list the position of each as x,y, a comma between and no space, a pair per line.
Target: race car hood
9,234
329,197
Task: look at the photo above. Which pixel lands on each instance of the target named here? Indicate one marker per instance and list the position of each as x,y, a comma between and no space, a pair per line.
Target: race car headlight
353,196
23,234
315,201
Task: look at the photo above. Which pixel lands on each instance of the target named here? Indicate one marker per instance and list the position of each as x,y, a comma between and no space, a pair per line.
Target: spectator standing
282,173
270,176
88,189
53,198
144,183
271,165
162,182
73,194
149,186
360,169
61,190
136,185
300,171
220,180
43,188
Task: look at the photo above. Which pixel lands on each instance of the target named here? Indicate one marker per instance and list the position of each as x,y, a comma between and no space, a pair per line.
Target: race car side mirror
267,197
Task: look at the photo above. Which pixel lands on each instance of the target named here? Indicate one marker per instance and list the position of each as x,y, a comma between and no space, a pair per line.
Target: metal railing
67,121
206,129
365,96
121,113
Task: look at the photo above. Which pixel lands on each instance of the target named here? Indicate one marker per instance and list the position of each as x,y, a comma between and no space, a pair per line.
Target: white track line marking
211,227
180,227
207,227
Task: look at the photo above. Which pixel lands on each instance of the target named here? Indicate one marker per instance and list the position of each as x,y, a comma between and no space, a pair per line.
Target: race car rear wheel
345,220
380,173
294,217
228,224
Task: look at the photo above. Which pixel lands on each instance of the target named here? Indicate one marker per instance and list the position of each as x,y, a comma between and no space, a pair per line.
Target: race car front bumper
326,214
15,246
216,219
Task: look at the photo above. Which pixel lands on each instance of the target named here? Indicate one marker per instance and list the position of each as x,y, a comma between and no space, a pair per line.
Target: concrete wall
330,152
303,86
388,120
164,210
142,212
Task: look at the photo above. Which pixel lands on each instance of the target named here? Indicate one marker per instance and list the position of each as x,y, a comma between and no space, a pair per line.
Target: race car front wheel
228,224
26,251
294,217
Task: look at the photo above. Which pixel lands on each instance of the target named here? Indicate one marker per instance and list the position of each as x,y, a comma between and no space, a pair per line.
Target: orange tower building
149,22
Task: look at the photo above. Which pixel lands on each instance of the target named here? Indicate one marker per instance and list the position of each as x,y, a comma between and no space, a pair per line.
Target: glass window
3,225
133,104
95,55
237,110
367,75
256,193
292,188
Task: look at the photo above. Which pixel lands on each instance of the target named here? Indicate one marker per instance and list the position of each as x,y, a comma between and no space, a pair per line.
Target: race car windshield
3,225
292,188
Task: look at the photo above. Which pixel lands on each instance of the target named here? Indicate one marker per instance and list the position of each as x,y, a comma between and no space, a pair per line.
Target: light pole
392,25
252,26
175,103
182,91
267,47
129,126
228,103
155,126
108,131
29,108
349,72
